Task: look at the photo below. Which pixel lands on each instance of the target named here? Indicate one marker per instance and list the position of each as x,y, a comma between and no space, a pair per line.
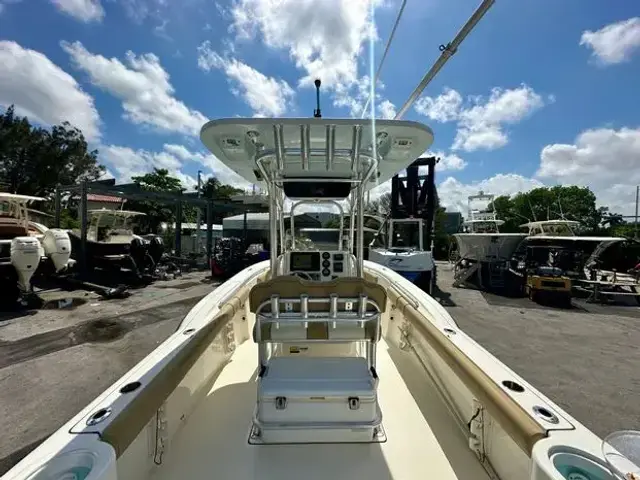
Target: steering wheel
301,274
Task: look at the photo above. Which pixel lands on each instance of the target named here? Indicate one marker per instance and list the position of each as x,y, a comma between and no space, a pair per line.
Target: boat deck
214,443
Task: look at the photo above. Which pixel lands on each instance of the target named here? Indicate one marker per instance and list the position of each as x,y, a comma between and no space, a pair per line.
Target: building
109,202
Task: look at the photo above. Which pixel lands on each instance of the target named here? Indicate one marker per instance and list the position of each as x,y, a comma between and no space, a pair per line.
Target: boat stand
488,276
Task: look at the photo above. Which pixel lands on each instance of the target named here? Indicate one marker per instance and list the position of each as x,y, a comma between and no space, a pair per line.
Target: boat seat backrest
297,332
293,287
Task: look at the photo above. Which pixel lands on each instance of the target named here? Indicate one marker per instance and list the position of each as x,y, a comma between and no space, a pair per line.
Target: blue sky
541,92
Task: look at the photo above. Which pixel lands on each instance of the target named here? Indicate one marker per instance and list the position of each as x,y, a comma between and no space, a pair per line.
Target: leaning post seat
342,310
317,399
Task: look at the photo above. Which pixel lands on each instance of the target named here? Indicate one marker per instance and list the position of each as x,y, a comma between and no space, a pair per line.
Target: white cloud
614,43
267,96
354,96
481,121
161,30
453,194
451,162
4,3
324,39
125,162
43,91
447,162
387,110
136,10
444,108
143,87
83,10
604,159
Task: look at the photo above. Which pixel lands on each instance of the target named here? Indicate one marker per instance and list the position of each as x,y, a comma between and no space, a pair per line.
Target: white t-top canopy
115,213
315,147
15,198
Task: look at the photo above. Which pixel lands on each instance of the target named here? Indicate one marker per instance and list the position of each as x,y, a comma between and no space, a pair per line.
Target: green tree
216,190
33,160
158,180
548,203
379,206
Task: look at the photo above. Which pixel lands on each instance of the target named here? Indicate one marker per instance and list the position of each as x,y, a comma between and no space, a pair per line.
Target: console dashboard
320,265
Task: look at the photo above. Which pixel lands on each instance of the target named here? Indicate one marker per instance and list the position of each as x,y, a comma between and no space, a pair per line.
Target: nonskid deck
214,443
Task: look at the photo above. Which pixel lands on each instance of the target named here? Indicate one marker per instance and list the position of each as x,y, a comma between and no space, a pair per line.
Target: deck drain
513,386
545,414
189,331
450,331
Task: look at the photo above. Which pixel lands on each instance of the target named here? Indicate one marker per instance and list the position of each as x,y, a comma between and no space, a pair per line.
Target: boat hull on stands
485,247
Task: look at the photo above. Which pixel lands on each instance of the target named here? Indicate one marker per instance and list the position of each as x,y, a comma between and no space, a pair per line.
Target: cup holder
69,466
576,465
621,450
98,462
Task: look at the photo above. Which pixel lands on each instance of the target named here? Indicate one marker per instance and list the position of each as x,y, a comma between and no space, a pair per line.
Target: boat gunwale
122,429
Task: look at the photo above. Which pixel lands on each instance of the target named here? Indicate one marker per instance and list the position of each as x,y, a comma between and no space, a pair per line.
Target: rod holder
331,145
275,306
355,145
304,306
279,143
333,306
305,145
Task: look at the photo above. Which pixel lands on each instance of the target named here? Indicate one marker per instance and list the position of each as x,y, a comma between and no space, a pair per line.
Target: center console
319,265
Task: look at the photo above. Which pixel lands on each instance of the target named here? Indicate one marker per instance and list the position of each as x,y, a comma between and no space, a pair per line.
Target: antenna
560,206
531,208
316,112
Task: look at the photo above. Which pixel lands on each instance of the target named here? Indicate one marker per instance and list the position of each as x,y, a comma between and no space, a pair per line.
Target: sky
540,93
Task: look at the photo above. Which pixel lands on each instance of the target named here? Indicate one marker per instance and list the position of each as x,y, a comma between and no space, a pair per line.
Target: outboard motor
26,253
156,247
57,247
138,252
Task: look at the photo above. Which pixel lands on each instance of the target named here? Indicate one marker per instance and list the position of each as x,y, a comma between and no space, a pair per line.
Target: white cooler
317,390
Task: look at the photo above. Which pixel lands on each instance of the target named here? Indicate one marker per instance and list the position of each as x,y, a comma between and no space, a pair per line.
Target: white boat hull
410,264
483,247
449,407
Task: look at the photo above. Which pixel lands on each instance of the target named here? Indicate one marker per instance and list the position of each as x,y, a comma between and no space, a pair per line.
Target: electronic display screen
305,261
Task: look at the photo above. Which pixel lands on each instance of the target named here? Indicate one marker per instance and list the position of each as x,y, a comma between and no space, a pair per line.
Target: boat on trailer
316,363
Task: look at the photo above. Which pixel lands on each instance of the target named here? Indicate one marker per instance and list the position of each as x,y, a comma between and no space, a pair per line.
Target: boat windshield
555,229
322,238
480,227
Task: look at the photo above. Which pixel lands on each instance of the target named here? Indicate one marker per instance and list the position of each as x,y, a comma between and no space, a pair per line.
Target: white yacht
560,230
481,240
318,364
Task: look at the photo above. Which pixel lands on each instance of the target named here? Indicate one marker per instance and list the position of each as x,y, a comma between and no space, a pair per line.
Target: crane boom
447,52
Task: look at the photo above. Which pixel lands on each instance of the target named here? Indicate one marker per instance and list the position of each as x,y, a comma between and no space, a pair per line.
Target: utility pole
635,227
198,210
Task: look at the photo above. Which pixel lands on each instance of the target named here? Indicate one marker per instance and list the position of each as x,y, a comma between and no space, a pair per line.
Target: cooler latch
354,403
281,403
